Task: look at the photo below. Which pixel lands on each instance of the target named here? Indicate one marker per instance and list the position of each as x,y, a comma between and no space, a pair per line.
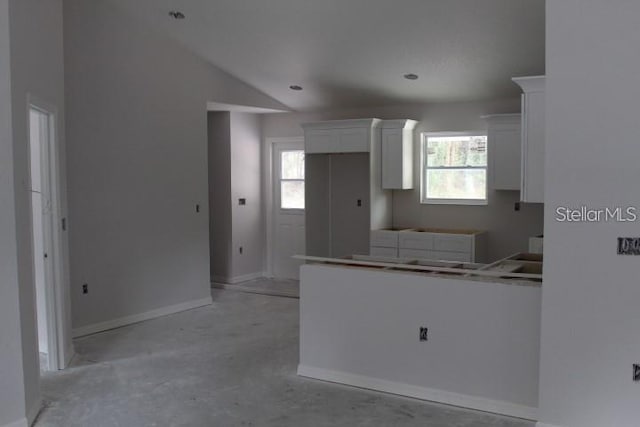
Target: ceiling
352,53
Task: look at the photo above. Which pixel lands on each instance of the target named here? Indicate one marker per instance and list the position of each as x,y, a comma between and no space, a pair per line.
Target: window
454,168
292,179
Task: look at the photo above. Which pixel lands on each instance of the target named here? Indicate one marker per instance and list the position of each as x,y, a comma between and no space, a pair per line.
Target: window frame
281,179
424,137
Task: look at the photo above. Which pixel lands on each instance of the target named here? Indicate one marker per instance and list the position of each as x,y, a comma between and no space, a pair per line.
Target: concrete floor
277,287
230,364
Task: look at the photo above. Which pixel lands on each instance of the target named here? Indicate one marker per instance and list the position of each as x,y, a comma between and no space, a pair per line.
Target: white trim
424,136
57,300
423,393
33,413
269,194
19,423
128,320
238,279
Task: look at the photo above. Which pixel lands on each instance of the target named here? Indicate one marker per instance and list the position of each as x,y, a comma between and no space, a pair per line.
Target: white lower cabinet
446,245
433,244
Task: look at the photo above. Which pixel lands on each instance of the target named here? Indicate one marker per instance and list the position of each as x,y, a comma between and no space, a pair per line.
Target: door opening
46,258
288,208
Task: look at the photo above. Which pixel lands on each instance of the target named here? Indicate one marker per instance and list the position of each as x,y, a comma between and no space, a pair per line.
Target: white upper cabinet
533,138
340,136
505,151
397,154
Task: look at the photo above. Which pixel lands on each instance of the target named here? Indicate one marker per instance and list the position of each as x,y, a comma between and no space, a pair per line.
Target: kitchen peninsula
464,334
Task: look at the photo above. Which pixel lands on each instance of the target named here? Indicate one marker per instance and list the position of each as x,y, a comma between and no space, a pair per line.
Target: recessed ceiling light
176,14
411,76
295,87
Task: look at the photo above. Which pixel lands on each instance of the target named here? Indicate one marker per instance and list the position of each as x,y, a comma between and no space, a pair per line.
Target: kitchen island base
459,341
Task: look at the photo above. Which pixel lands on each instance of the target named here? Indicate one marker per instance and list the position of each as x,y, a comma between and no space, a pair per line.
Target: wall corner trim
136,318
423,393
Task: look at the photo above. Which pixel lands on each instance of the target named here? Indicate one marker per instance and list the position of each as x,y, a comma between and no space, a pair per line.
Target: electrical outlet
240,250
424,334
636,372
359,203
85,288
197,208
242,202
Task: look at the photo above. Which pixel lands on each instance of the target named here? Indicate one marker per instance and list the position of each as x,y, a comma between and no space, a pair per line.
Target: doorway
288,208
47,253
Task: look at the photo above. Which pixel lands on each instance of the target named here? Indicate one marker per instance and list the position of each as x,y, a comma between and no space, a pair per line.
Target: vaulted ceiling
350,53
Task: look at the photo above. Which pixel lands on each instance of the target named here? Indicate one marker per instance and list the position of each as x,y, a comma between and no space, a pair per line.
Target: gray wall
246,182
508,230
590,313
12,404
137,152
235,172
36,69
483,336
219,137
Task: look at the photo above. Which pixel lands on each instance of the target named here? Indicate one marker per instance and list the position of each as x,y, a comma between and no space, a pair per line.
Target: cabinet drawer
380,251
384,238
320,141
452,243
416,240
354,140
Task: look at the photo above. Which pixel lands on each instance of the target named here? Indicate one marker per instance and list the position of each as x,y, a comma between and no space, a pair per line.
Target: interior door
288,209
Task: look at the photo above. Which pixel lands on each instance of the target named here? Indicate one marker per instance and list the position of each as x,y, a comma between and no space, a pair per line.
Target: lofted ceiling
352,53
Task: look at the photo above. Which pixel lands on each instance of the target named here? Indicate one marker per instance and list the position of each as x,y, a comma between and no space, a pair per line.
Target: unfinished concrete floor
230,364
275,287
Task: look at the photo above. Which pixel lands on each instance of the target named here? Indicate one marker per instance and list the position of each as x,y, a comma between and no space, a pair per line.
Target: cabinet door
505,150
354,140
392,158
321,141
397,159
533,136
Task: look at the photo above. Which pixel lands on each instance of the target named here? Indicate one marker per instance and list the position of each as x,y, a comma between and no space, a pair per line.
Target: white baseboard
238,279
20,423
434,395
33,412
127,320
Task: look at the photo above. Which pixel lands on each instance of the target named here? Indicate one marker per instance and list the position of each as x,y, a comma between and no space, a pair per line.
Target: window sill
461,202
